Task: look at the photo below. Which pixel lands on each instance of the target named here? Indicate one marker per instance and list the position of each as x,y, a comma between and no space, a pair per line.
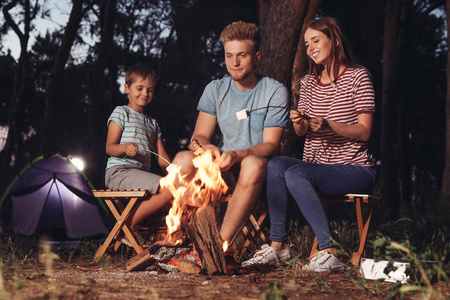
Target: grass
413,243
417,239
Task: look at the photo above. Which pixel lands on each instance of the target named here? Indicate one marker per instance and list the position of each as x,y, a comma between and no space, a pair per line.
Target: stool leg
359,215
363,229
126,229
120,225
257,225
314,247
256,229
101,250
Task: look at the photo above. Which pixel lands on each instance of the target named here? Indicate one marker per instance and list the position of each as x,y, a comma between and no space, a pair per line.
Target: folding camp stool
363,224
121,203
255,228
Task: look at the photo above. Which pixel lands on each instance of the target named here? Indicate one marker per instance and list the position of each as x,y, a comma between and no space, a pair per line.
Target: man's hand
215,152
228,159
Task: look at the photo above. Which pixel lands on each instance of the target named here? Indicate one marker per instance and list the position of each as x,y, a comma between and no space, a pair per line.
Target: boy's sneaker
120,236
323,261
268,255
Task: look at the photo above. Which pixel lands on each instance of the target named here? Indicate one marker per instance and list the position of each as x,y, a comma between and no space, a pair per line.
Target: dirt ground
110,280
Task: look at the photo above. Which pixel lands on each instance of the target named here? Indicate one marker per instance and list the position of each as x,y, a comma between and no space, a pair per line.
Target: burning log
140,262
202,230
201,227
187,266
193,210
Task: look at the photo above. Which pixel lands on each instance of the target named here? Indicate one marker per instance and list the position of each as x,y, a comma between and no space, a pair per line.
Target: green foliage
360,282
419,271
273,291
323,286
3,293
84,250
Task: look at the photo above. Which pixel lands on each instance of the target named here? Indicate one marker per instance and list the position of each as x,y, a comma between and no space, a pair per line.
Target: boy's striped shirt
136,128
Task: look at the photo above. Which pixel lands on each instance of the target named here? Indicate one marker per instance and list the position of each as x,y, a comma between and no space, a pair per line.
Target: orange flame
206,186
225,246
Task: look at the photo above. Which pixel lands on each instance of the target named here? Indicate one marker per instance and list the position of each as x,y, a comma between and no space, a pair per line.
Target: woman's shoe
323,261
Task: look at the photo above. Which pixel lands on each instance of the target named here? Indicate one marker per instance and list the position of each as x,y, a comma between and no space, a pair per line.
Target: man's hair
139,71
241,31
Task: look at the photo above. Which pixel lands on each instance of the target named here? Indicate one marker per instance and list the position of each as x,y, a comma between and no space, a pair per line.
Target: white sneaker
268,255
323,261
285,254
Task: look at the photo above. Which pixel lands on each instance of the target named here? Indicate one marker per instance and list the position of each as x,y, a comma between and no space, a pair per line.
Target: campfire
193,213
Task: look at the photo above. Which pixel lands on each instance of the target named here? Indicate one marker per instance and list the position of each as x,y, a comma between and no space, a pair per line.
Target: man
251,112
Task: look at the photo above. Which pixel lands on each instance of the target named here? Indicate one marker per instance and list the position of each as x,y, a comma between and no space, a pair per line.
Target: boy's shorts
131,177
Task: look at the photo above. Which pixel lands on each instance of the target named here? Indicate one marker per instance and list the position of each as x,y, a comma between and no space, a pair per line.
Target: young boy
131,135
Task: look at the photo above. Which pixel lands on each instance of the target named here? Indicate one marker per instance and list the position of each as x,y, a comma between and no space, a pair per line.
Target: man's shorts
131,177
231,177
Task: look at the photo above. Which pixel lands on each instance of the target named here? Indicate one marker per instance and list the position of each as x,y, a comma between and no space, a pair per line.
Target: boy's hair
241,31
138,71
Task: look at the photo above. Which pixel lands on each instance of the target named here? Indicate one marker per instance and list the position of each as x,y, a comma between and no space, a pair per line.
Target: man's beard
240,76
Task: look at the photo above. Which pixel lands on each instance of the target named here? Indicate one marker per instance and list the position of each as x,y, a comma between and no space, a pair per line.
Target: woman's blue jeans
303,181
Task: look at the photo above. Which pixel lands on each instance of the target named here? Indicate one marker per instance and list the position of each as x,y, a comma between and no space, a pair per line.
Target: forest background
57,93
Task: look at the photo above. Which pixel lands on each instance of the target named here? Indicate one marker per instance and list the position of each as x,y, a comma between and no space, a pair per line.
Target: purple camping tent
53,194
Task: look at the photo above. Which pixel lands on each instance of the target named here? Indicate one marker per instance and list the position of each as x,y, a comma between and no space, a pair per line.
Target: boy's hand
131,149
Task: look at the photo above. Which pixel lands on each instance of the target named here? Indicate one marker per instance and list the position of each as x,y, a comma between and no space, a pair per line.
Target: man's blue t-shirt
267,104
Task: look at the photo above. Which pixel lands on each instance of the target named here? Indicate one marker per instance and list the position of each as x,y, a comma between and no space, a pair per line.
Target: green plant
323,286
3,292
83,249
273,291
419,272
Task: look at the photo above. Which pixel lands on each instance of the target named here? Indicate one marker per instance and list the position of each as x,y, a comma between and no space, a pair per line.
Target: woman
335,111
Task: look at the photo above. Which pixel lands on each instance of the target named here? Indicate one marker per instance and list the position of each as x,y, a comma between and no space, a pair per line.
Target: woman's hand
318,124
298,116
300,121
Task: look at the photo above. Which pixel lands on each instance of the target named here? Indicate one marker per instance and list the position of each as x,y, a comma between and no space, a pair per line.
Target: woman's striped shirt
136,128
352,95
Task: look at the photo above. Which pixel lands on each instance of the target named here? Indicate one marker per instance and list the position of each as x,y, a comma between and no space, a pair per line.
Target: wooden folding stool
121,203
363,224
255,228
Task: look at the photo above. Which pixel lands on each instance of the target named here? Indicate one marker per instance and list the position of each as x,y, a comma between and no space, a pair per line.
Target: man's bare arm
267,149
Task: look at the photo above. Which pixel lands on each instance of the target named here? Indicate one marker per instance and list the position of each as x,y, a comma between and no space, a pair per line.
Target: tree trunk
445,190
283,55
278,50
12,151
52,120
390,96
299,69
102,89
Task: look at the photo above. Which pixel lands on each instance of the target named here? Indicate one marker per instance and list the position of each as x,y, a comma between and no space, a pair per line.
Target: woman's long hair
341,53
